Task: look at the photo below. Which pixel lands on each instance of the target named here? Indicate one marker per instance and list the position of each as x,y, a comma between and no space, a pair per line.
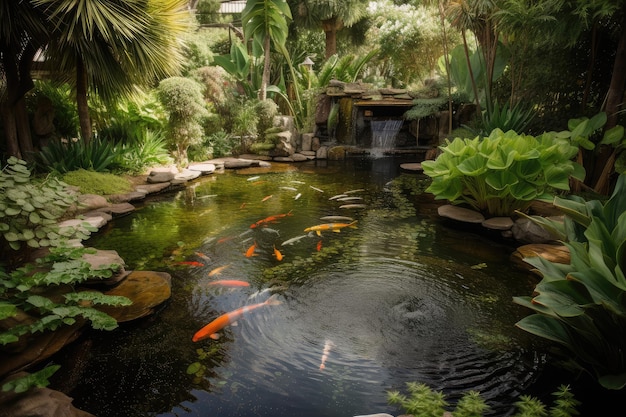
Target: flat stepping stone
187,175
498,223
460,214
298,157
126,197
160,176
283,159
152,188
121,208
204,169
146,289
95,221
412,166
87,202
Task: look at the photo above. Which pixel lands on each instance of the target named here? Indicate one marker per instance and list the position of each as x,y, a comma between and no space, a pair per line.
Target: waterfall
384,134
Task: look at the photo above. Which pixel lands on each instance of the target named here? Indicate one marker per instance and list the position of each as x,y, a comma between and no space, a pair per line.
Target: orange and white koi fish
332,227
270,219
230,283
190,263
203,256
277,254
218,270
211,329
251,249
266,198
327,347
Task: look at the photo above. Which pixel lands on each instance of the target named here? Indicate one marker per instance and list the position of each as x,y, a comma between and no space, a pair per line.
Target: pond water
400,297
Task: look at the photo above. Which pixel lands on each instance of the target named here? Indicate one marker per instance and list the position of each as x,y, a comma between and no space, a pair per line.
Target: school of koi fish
334,224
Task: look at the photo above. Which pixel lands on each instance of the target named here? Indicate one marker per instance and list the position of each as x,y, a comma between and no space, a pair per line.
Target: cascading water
384,134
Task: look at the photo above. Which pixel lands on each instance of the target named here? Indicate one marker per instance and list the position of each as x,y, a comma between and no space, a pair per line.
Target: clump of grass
91,182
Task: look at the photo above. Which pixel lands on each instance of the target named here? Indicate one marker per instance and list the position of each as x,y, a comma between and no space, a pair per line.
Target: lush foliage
504,172
30,209
505,118
69,155
422,401
581,305
65,119
182,98
145,150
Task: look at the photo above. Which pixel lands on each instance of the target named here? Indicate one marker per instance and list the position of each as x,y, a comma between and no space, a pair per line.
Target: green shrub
91,182
182,98
505,118
63,156
266,111
63,104
581,305
502,173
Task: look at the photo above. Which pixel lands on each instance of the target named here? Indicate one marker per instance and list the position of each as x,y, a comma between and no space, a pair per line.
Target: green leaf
473,166
7,310
545,327
193,368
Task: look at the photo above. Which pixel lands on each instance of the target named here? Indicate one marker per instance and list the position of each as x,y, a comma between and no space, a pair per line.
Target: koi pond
392,295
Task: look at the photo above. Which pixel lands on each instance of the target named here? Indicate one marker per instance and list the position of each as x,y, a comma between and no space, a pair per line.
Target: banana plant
581,305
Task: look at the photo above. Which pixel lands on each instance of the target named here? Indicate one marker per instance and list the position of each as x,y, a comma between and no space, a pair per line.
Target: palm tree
22,33
267,21
113,46
331,15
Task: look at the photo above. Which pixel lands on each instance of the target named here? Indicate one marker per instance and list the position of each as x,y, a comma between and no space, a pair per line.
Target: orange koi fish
319,246
211,329
270,219
190,263
277,254
230,283
251,249
218,270
266,198
225,239
333,227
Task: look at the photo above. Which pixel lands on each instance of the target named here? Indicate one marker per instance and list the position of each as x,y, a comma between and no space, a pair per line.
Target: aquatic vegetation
422,401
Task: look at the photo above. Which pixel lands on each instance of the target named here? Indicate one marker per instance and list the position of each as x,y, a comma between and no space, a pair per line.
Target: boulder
87,202
160,176
322,152
527,231
37,402
306,142
146,289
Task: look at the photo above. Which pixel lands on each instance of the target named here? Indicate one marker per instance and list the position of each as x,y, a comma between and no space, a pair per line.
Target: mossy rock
100,183
263,146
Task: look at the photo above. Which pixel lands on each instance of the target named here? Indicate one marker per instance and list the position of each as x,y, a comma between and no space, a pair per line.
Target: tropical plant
143,150
504,118
29,211
504,172
62,156
266,21
182,99
238,65
60,98
266,111
580,305
113,46
422,401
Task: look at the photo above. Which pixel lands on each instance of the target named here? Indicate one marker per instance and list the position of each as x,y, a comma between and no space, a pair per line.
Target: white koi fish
269,230
350,198
352,206
297,196
253,178
327,347
337,218
293,240
335,197
288,188
316,189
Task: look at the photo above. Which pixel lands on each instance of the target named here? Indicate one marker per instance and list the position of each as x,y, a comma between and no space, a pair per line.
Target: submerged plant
422,401
502,173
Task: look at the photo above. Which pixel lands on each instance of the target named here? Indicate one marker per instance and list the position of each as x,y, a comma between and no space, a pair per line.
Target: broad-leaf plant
504,172
582,305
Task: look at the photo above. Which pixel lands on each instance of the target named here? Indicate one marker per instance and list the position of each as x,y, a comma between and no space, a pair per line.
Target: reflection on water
399,298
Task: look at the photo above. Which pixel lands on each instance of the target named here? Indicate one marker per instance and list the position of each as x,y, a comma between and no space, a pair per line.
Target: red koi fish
230,283
270,219
319,246
218,270
277,254
332,227
251,249
190,263
211,329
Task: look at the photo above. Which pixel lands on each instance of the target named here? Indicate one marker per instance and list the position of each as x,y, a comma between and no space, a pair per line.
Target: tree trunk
265,80
614,102
22,124
81,102
471,73
330,30
10,131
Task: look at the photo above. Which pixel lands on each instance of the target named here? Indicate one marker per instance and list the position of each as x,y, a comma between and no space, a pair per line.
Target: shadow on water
399,298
